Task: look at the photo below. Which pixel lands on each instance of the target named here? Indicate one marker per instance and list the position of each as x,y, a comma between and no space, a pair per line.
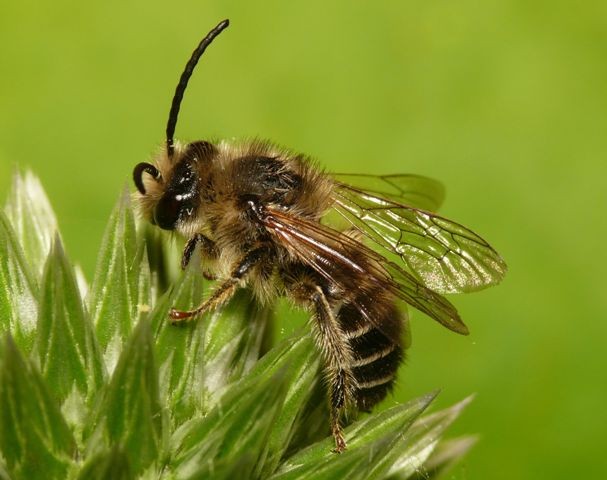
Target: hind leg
337,357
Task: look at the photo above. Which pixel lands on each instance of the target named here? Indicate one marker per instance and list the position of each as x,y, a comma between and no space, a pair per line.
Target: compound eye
167,211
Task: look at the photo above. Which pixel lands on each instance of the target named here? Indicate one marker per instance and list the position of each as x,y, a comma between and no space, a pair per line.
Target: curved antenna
183,82
138,175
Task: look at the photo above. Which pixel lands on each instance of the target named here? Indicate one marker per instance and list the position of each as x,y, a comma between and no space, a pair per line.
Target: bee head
174,194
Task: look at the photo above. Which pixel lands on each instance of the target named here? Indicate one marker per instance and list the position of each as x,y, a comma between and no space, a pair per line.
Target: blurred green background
503,101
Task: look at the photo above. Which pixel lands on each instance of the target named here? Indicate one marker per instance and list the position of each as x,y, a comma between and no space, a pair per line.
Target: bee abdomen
375,356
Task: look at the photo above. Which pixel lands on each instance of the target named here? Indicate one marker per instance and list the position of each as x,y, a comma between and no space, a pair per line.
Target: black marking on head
182,195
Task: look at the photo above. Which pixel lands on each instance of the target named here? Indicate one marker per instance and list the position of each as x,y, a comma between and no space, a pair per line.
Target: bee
261,217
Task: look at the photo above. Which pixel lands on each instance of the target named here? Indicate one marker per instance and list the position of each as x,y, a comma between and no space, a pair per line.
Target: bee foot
179,316
340,441
340,444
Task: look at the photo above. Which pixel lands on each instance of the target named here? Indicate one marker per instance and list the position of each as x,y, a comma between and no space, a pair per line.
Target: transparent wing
349,265
445,255
414,190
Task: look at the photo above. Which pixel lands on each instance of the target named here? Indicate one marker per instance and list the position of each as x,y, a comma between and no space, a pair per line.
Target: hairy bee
258,214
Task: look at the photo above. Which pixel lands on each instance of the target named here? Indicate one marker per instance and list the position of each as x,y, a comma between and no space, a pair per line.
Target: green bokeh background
503,101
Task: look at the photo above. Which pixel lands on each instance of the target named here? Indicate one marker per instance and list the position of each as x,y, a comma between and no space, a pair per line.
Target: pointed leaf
422,438
312,423
365,438
446,455
113,297
349,464
129,413
296,362
164,255
3,472
179,349
81,281
18,289
34,438
224,469
110,464
200,358
146,292
303,367
32,218
66,345
399,453
239,424
234,337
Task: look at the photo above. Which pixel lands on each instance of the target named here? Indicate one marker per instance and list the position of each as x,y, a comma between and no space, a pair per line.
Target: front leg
225,291
207,247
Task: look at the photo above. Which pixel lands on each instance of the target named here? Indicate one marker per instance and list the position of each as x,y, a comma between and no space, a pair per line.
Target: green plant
94,383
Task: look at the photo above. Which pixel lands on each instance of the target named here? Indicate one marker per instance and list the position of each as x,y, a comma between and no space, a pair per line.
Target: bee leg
221,295
209,250
209,276
338,360
225,291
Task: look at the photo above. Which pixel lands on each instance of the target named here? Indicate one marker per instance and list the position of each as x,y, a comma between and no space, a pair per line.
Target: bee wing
445,255
414,190
343,261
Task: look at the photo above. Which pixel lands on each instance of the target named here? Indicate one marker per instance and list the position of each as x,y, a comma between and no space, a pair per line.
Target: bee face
181,197
173,197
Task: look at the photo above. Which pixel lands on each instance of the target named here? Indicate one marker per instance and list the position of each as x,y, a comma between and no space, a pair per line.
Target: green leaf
3,473
302,360
109,464
179,350
224,469
312,423
239,424
18,289
32,218
350,465
294,367
34,438
446,455
129,413
421,440
234,338
66,344
146,289
113,298
367,440
199,358
164,255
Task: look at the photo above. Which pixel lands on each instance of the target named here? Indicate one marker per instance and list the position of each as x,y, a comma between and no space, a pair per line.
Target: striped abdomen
376,357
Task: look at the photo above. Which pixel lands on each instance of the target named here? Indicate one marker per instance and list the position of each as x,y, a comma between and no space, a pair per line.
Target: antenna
183,82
